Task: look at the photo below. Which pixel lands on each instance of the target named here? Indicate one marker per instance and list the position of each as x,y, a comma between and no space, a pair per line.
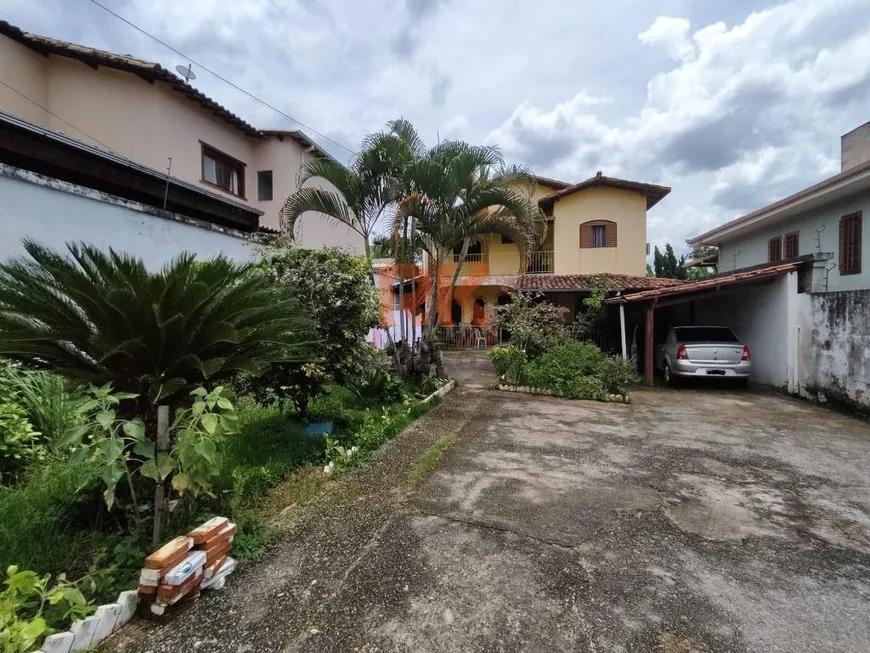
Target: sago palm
460,191
102,317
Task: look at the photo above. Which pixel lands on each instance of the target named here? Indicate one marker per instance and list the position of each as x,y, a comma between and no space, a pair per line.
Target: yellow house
596,231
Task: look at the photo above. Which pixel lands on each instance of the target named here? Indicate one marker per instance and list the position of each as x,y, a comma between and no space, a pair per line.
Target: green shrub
19,441
50,406
559,367
375,385
618,374
586,387
46,522
30,607
509,363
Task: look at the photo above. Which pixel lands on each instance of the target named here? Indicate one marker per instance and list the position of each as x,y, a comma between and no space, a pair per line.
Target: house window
264,186
792,245
850,243
598,233
774,249
223,171
506,241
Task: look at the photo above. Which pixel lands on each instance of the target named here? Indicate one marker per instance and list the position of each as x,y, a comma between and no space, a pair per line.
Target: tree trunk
465,245
159,491
432,300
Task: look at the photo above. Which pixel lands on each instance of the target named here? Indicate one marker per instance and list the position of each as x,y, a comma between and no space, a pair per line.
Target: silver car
704,351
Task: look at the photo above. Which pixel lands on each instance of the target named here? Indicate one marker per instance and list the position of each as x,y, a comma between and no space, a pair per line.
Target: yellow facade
626,208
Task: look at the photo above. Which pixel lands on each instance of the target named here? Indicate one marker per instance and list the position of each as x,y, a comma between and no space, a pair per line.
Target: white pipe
622,329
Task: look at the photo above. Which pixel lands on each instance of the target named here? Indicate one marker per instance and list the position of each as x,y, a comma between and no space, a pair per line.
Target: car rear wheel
669,378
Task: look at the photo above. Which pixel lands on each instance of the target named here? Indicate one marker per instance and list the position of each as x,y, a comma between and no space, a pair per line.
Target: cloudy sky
733,103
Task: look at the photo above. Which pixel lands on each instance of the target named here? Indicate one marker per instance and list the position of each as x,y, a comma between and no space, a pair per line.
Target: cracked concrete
686,522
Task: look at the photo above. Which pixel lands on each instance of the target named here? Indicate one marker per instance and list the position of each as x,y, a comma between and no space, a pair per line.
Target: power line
48,111
224,79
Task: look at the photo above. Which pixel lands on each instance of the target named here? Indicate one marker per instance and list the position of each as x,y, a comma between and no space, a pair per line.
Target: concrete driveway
689,521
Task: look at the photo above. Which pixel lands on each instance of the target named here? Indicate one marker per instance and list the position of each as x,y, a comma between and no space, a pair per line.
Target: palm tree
460,191
362,192
103,318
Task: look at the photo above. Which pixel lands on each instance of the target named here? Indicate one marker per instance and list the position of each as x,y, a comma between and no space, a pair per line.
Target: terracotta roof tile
714,282
565,282
653,192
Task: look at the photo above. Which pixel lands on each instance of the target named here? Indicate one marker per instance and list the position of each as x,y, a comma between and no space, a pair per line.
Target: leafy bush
30,607
19,442
532,322
47,521
509,363
335,289
374,384
570,369
618,374
50,406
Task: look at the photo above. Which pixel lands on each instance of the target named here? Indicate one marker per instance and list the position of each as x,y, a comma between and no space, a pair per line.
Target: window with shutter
850,243
774,249
598,233
792,245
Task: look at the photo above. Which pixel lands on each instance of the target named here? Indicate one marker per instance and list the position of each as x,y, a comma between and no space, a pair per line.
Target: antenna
186,72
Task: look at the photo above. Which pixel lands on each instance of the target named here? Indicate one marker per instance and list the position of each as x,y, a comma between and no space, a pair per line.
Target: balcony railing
469,258
540,263
467,336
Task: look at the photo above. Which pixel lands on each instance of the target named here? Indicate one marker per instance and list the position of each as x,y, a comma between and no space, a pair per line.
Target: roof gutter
827,191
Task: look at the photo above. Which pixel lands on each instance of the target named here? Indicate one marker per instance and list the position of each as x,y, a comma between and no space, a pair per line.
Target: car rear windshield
705,334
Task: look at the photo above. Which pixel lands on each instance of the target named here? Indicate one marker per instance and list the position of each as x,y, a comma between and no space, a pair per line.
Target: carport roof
711,283
566,282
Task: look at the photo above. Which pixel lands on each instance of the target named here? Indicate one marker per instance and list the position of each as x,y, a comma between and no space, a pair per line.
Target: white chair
479,339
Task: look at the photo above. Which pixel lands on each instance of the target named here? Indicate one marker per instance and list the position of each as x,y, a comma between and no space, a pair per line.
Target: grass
47,522
425,464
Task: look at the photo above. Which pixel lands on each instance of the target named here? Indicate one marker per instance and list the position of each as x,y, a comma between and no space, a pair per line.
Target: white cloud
746,114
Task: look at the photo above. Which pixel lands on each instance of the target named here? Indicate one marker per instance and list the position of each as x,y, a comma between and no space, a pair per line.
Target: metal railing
469,258
467,336
540,263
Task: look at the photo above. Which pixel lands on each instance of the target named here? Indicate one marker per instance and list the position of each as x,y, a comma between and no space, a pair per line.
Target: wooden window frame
850,243
610,234
789,239
226,159
774,249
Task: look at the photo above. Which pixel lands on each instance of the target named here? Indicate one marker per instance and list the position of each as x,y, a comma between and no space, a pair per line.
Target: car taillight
746,355
682,354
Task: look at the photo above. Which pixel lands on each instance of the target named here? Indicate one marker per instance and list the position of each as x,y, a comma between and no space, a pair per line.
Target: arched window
598,233
456,312
478,312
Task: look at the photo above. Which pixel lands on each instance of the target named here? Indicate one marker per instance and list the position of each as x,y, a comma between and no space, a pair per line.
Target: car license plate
716,372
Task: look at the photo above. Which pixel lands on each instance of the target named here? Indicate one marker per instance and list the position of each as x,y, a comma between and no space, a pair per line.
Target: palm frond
316,200
102,317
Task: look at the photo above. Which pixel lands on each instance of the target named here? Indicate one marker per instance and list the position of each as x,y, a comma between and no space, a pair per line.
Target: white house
54,190
803,302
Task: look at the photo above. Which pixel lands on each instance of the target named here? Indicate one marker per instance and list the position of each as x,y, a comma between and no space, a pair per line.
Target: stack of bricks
180,569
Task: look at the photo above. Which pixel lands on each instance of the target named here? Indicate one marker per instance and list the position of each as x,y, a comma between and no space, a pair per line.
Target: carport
715,301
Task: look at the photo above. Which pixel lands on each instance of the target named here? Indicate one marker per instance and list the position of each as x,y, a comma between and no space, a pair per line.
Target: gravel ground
686,522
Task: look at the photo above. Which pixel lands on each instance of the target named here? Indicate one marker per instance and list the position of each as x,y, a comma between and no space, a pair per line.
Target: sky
732,103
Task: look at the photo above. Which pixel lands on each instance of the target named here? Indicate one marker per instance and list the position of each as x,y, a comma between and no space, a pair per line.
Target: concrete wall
751,249
760,316
835,339
150,123
855,147
54,213
625,208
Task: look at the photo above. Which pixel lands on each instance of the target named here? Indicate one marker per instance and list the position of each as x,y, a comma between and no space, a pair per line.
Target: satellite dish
186,72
